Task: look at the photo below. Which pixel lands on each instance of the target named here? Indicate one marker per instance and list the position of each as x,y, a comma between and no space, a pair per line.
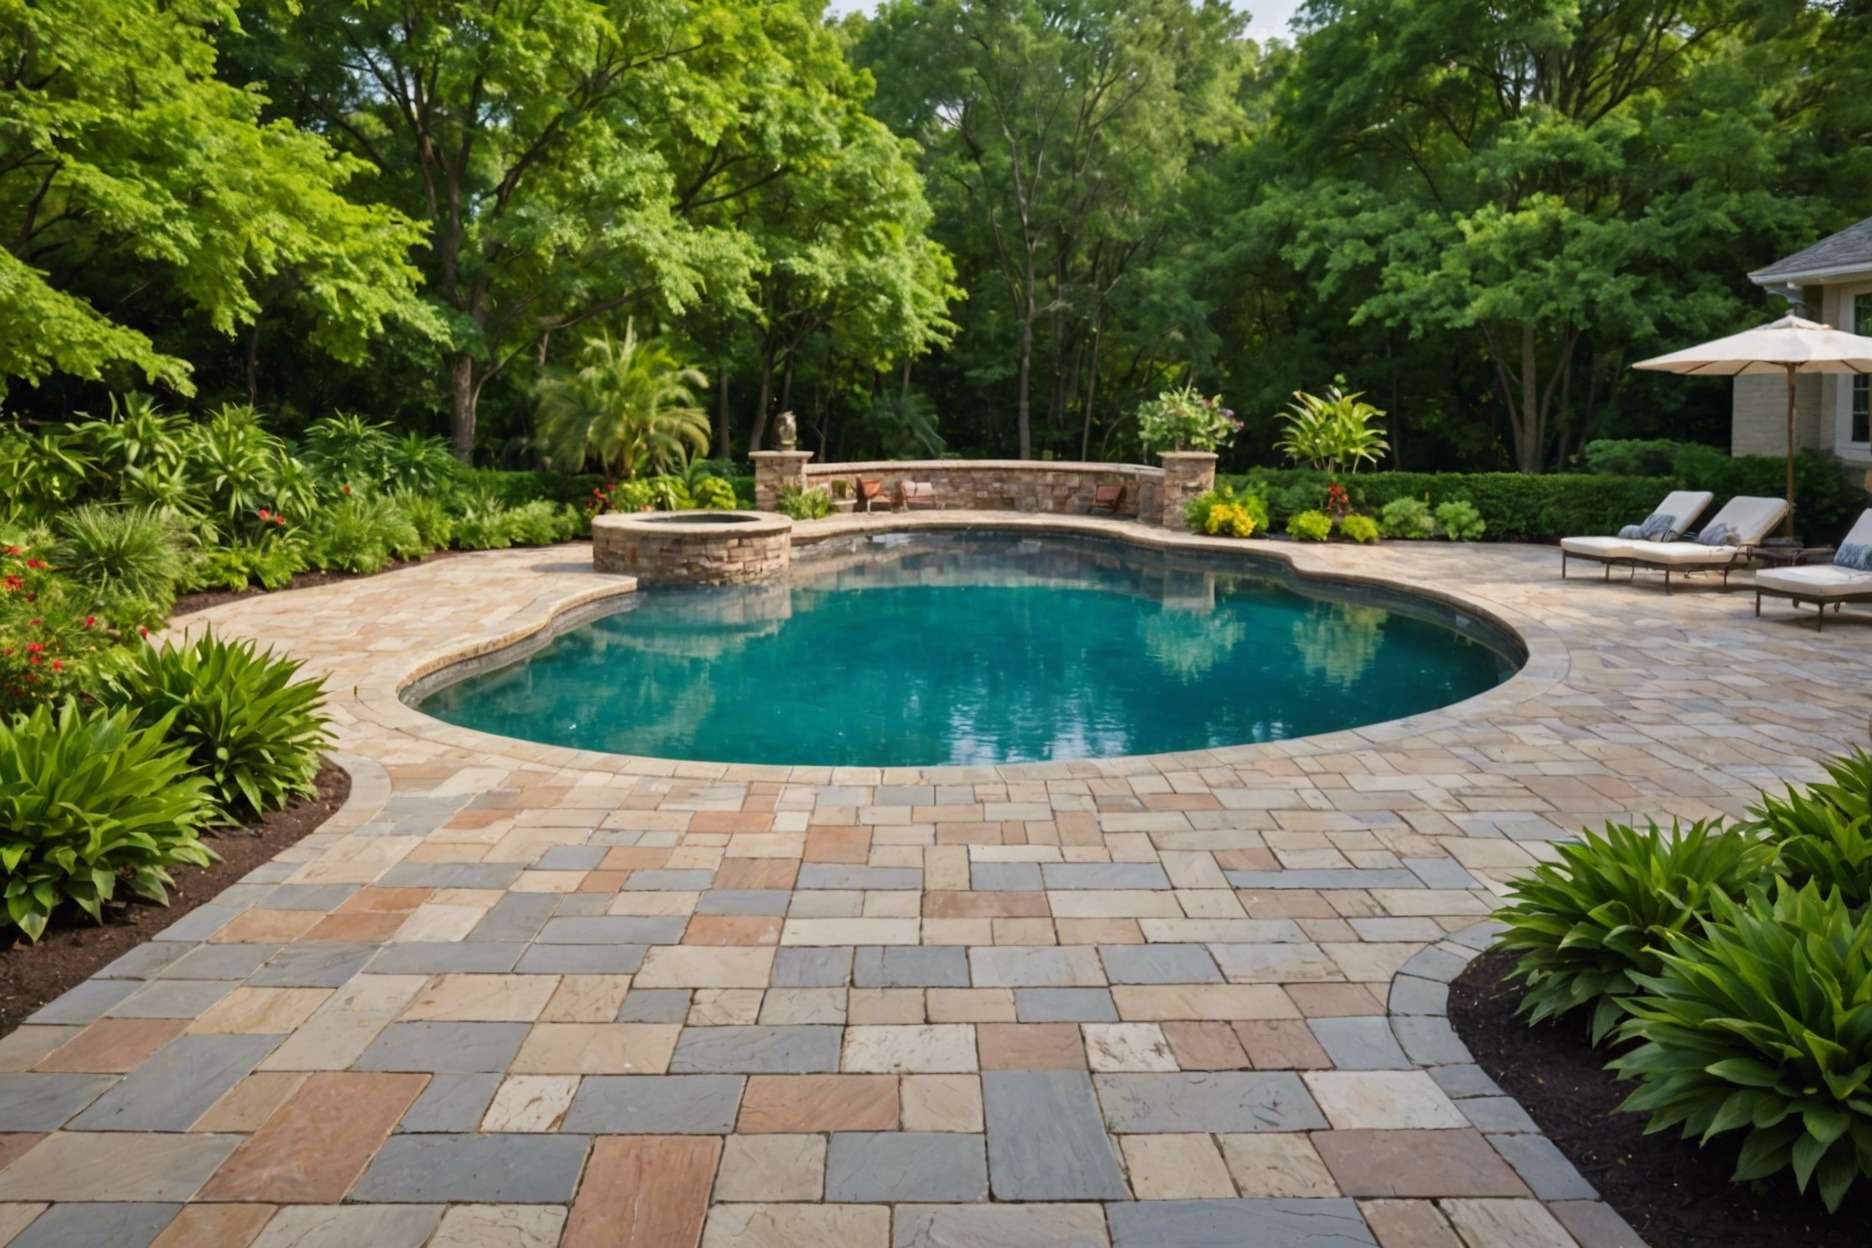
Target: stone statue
786,431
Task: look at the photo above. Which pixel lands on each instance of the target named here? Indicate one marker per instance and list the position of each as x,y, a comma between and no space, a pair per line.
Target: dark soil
188,604
1674,1194
73,947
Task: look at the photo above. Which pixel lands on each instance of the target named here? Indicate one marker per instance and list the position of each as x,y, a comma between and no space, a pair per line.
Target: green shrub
1407,518
1361,529
713,493
669,493
808,504
632,496
1764,1026
1197,511
50,633
1460,521
125,556
1310,526
1586,926
235,565
1824,835
39,474
419,463
347,448
433,518
482,525
1332,433
251,728
1183,420
361,534
1631,457
87,796
538,523
234,461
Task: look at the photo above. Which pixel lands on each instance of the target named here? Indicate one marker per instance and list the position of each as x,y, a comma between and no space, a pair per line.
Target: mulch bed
1674,1194
73,947
188,604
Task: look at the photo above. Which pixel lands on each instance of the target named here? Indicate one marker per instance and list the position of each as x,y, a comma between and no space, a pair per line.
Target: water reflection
972,649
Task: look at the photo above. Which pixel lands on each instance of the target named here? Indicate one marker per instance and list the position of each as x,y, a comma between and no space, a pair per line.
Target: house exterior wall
1758,404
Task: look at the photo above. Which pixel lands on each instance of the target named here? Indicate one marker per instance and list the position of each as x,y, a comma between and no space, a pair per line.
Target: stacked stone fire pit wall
693,547
1049,488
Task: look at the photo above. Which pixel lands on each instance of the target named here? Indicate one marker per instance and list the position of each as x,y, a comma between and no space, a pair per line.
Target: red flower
16,550
142,631
15,582
34,647
345,488
264,514
57,666
90,621
279,522
36,564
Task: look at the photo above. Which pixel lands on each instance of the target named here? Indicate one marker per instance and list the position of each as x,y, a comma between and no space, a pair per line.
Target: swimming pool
978,648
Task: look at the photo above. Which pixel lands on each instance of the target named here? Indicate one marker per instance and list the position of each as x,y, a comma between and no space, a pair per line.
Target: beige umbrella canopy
1790,346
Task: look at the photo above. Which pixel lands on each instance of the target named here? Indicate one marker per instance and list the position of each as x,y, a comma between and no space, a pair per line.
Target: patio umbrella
1791,346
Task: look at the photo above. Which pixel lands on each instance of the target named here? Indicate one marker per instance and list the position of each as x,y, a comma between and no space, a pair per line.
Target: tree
1539,173
629,405
132,180
1058,133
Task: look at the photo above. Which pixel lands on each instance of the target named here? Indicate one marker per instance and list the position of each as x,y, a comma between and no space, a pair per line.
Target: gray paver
1005,877
656,1104
878,1167
1213,1101
199,923
86,1002
350,1226
321,897
654,1005
146,960
318,964
443,957
445,1048
1430,1041
828,875
451,875
571,858
1077,875
495,1168
581,959
1064,1005
176,1085
612,929
1030,966
1294,1223
1465,1080
1326,877
515,917
911,966
1360,1043
1441,873
999,1226
1411,995
171,998
1495,1115
46,1102
1045,1137
828,967
1543,1167
128,1225
686,879
1159,964
794,1050
233,961
744,901
451,1103
1441,965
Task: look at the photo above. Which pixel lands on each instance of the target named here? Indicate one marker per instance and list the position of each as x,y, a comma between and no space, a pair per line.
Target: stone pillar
775,470
1186,474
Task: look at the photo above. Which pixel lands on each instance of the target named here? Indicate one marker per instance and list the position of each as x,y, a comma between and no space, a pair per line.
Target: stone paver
822,1000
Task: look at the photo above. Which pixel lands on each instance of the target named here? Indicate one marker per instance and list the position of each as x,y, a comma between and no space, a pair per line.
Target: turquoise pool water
936,649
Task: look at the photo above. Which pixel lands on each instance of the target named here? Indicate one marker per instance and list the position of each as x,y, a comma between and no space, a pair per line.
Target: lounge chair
1741,525
1679,511
871,496
1823,584
1107,498
914,494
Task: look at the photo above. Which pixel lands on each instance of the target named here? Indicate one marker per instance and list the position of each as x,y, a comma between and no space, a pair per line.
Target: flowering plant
47,639
1183,420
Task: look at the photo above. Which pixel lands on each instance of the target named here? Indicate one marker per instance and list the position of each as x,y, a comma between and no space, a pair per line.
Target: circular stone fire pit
693,547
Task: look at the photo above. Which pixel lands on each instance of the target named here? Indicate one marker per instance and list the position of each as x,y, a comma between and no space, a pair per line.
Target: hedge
1521,507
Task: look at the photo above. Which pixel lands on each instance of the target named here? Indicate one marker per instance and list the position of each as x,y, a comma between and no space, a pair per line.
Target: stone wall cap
726,525
910,467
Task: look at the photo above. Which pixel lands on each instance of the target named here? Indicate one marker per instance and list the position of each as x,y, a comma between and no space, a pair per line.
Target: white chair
1822,584
1748,520
1683,506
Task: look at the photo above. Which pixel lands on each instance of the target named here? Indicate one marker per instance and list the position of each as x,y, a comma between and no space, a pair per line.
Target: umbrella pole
1788,527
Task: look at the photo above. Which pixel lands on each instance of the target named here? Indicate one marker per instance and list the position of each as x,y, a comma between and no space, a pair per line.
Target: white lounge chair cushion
1816,580
1683,554
1686,506
1597,547
1861,533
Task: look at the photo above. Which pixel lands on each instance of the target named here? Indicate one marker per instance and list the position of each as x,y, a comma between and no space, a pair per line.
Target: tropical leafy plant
251,727
40,473
1183,420
122,555
668,493
1588,926
1762,1023
433,517
361,533
811,503
1334,432
1309,526
138,436
902,424
1361,529
1824,836
713,493
482,524
1460,521
87,796
419,462
233,458
1407,518
348,448
629,405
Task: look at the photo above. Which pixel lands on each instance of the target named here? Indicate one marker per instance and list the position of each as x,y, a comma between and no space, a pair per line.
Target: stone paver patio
523,996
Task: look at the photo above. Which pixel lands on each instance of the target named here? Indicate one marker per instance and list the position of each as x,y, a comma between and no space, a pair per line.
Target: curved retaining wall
692,548
1047,487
